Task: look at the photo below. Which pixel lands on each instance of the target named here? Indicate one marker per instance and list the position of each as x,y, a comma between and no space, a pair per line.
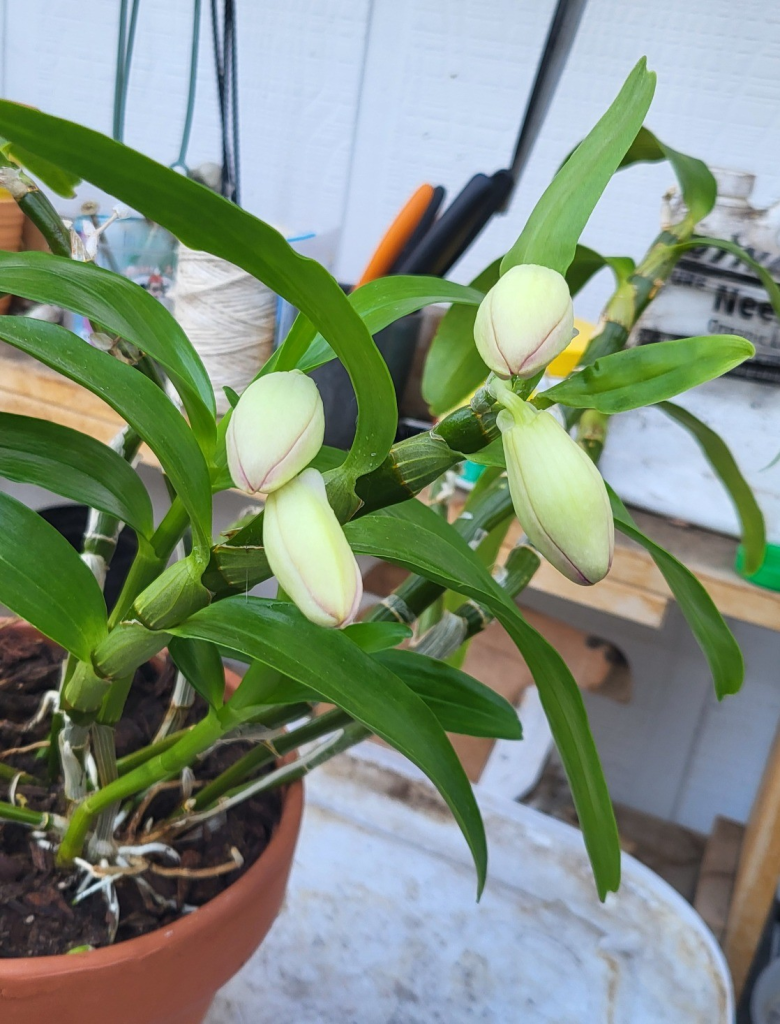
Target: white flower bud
275,431
558,494
524,321
308,552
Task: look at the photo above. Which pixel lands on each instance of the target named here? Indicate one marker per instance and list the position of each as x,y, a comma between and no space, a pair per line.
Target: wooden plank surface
717,874
30,389
757,875
612,595
636,591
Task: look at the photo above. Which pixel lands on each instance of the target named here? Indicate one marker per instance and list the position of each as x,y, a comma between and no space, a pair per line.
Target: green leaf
379,304
461,703
201,665
231,395
585,265
490,546
276,634
328,458
697,183
587,262
707,624
769,283
492,455
262,686
648,374
53,177
43,579
414,537
487,551
454,367
644,149
201,219
725,467
373,637
123,308
551,233
74,465
135,398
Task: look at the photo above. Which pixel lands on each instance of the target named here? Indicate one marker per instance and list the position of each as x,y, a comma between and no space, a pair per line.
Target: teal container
471,472
135,248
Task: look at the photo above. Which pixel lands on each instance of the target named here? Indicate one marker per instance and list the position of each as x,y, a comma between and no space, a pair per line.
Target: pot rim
183,928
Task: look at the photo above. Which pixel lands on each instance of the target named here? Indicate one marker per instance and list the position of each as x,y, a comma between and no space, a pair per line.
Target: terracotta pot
169,976
11,227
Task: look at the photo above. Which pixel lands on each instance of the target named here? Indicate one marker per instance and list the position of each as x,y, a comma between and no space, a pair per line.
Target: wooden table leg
757,875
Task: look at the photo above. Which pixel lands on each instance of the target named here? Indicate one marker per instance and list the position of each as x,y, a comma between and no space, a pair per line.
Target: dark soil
37,915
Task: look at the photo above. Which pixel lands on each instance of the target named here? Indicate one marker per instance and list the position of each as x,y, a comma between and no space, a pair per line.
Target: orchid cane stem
410,466
35,205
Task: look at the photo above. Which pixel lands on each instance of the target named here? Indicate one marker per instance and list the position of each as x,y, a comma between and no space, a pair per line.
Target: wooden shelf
634,589
28,388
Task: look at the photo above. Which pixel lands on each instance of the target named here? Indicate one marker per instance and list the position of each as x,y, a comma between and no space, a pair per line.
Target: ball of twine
228,315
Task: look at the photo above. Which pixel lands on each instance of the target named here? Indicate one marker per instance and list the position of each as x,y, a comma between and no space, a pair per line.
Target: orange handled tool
397,235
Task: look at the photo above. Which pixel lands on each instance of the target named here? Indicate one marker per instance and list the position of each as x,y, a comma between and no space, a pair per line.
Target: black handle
459,225
425,224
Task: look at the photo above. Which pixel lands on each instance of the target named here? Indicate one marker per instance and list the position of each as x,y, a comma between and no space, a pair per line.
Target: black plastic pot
397,343
71,521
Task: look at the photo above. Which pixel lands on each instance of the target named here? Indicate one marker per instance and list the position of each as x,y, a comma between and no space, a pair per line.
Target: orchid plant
322,507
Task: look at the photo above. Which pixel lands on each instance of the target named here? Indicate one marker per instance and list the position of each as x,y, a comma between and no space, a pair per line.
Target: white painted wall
300,66
446,83
347,105
673,750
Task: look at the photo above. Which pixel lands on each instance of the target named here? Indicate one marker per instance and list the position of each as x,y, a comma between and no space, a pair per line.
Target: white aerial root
143,848
93,871
49,702
187,783
104,884
12,787
85,250
42,841
50,823
130,862
121,816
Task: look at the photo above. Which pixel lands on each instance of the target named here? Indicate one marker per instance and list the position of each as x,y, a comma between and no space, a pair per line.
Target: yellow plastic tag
563,364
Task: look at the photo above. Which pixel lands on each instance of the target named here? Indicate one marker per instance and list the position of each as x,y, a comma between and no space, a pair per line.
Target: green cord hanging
180,163
124,56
